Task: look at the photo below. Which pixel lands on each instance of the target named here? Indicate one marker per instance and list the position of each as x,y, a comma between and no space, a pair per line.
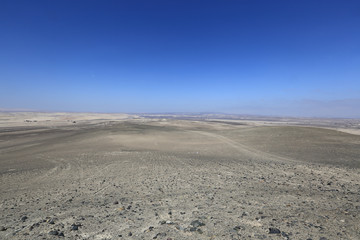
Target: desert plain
120,176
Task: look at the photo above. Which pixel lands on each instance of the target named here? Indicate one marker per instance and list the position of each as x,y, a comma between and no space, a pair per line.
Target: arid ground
93,176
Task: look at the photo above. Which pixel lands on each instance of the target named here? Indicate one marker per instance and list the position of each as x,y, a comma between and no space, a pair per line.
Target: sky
284,58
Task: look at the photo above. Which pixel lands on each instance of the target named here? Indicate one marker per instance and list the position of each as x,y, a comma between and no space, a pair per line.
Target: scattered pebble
54,232
159,235
197,223
274,231
238,228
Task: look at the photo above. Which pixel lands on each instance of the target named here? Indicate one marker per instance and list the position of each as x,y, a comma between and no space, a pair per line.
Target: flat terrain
129,177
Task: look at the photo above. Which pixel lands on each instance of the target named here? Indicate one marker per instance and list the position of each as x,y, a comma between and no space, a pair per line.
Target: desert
123,176
179,120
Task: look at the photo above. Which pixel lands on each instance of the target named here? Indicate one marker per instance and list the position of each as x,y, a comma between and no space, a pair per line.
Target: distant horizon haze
270,58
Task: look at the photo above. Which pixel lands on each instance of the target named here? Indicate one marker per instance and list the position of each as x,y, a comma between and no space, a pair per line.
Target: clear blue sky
298,58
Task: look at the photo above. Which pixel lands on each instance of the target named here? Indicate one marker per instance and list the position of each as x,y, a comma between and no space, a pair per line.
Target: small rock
180,228
130,234
238,228
244,214
61,234
285,235
54,232
197,223
2,228
159,235
274,231
75,226
116,202
23,218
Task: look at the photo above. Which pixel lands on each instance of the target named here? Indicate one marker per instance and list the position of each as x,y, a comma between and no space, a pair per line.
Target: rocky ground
178,179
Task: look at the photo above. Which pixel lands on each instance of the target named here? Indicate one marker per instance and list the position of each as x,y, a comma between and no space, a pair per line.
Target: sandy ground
124,177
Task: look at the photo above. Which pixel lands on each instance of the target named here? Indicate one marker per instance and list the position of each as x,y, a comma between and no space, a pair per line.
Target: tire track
251,152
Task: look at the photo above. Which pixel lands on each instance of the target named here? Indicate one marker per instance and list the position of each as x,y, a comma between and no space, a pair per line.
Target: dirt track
152,179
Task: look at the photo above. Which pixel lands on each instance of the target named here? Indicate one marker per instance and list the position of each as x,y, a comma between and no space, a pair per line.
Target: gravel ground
178,179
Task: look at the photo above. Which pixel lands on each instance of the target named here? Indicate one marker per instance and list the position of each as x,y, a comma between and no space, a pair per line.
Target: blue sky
297,58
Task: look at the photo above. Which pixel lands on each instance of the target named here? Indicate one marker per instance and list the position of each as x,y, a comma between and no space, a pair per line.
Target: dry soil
136,178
